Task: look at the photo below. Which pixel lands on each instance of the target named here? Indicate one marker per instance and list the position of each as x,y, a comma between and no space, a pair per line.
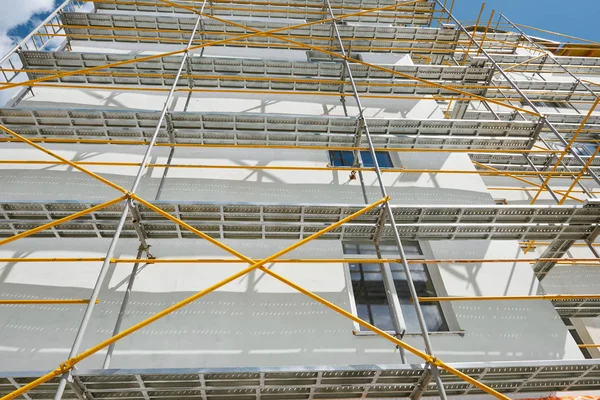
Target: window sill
444,333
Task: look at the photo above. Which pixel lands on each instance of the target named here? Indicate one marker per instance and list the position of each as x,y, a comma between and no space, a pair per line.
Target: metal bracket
170,128
139,229
78,387
422,383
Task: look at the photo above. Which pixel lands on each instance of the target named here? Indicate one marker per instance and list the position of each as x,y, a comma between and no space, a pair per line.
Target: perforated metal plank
554,117
263,129
543,91
362,38
318,382
273,79
494,42
578,308
516,162
409,14
556,249
567,124
251,67
295,221
585,65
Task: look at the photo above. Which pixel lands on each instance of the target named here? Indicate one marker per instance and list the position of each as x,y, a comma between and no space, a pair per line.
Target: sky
577,18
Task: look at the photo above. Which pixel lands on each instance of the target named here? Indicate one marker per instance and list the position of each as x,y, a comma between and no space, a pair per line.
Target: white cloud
15,13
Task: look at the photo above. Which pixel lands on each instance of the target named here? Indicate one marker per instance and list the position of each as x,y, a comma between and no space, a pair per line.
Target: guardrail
48,36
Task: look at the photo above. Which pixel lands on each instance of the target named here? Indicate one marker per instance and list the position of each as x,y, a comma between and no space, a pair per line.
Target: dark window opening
341,158
370,295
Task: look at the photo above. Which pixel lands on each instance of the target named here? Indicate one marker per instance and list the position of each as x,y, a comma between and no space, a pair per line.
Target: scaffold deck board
177,30
516,162
296,221
419,13
266,129
585,65
315,382
251,67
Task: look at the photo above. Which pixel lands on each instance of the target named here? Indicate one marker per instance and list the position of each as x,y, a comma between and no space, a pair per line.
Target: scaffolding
493,113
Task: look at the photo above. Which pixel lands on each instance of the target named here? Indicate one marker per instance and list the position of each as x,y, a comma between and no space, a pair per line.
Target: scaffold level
297,199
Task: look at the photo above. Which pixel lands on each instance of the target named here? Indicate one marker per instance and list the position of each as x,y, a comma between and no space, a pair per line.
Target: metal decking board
517,162
362,38
315,382
265,129
297,221
419,13
251,67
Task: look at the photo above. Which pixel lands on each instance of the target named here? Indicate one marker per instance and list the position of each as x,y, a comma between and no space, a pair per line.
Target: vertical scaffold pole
411,286
526,99
128,204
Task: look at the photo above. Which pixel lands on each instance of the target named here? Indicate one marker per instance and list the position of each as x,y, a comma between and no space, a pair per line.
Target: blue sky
574,18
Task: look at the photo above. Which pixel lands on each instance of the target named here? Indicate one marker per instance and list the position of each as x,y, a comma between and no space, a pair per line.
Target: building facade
434,179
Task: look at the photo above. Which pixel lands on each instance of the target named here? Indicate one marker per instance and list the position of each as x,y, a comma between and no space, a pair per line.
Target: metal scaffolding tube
550,55
70,363
123,309
128,205
526,99
212,43
410,283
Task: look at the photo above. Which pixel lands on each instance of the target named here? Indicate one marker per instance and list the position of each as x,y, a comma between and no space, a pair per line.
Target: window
369,290
345,158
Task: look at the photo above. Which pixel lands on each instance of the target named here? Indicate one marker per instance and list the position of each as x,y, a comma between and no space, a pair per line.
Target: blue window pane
346,158
341,158
383,158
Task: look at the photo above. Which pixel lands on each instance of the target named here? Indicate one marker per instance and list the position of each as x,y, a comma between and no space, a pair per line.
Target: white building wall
254,321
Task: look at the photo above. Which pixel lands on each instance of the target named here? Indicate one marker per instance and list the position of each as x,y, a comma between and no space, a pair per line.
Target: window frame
330,159
436,280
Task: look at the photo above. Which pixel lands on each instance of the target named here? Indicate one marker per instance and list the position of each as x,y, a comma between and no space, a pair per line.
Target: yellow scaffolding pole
282,147
270,33
558,34
194,5
513,175
297,168
487,28
579,175
430,359
565,261
466,55
70,363
172,53
61,220
567,148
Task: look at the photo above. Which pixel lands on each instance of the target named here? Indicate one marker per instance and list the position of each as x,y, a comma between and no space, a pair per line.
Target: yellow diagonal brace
214,43
61,220
567,148
413,350
430,359
579,175
72,164
70,363
511,174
